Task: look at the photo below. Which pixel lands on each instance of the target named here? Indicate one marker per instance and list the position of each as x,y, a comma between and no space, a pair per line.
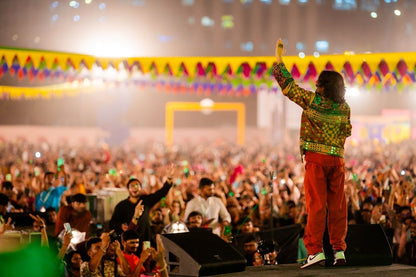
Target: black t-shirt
124,211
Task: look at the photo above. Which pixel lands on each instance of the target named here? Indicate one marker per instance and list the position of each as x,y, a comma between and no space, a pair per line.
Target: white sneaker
339,258
318,258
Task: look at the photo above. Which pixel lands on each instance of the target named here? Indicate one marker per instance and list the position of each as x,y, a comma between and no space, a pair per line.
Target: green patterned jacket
324,124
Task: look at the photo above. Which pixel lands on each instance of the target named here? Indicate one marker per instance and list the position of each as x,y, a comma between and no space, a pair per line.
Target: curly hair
333,84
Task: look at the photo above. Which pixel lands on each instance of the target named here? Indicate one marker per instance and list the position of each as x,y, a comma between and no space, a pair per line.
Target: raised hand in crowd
42,225
144,255
159,257
124,264
65,244
7,226
138,211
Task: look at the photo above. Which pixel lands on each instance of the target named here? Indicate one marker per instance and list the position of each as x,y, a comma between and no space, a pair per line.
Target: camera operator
250,248
266,254
102,252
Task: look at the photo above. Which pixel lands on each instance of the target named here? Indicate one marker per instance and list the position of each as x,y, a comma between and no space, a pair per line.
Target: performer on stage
325,124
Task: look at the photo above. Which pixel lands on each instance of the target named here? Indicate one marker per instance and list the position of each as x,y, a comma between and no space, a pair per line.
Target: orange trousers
324,193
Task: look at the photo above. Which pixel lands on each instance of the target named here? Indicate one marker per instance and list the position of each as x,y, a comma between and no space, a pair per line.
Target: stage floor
289,270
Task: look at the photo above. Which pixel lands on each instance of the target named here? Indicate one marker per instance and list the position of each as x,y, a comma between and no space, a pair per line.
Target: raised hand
280,51
159,255
7,226
138,210
67,239
117,247
146,253
171,171
105,238
38,220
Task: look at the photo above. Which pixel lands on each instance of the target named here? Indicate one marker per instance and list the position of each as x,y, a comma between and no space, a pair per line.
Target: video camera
265,248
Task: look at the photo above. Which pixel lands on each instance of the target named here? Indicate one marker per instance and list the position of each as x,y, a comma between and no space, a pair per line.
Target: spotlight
175,227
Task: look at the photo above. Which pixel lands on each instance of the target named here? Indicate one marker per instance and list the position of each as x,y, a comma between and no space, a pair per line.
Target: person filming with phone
76,214
130,241
106,258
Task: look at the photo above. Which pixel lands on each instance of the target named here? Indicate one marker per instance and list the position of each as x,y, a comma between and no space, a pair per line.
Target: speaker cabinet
200,254
367,244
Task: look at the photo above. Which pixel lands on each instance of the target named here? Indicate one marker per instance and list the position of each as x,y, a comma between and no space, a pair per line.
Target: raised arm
65,245
6,226
123,261
286,82
62,173
153,198
138,211
144,255
96,259
159,257
44,236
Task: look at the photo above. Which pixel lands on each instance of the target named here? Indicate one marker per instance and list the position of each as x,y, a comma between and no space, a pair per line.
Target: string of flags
228,76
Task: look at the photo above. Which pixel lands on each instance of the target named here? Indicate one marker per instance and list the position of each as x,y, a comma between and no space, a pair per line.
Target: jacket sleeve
349,126
153,198
290,89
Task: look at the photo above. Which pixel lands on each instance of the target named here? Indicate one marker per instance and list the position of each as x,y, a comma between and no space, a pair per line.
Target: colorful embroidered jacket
324,124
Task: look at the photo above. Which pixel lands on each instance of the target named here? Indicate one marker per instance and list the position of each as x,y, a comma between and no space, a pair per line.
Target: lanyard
46,197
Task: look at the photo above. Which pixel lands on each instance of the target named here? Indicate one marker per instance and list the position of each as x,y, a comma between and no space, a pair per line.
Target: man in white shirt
209,206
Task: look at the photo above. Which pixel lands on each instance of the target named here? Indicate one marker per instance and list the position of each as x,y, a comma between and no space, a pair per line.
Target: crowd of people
224,187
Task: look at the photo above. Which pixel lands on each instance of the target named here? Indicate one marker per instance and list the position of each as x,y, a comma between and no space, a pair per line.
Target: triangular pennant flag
9,56
204,62
36,58
270,61
303,64
338,62
117,62
319,64
88,61
221,65
372,61
161,64
252,62
62,61
234,63
145,64
175,65
190,65
22,58
393,62
75,60
103,62
289,62
49,60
